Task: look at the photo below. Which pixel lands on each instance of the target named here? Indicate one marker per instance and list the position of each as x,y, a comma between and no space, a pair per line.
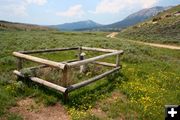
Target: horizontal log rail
39,60
105,64
78,63
98,49
45,66
48,50
43,82
86,82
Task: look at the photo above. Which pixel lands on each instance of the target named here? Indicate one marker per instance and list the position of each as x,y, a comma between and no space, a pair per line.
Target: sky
51,12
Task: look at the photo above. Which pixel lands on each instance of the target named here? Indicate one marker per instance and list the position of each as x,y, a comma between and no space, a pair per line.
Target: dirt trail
113,35
160,45
30,110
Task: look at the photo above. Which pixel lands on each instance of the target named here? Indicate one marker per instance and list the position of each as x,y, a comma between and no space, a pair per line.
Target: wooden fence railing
66,66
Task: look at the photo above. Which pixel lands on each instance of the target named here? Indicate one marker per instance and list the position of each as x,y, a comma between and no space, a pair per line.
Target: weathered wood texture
66,66
48,50
65,76
99,49
86,82
78,63
43,82
44,66
39,60
105,64
117,60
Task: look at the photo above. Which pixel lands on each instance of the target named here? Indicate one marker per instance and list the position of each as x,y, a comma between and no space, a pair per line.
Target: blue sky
49,12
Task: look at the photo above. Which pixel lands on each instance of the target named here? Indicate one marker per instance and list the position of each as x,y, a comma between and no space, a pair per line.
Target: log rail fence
66,66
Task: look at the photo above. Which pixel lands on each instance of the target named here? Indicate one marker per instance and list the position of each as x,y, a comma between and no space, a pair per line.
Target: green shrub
16,88
49,100
14,117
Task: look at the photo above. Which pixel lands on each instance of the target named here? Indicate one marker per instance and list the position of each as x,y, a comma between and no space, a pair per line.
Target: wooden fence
66,66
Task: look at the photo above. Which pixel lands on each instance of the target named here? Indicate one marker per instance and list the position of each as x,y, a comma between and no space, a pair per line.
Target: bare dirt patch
30,110
98,112
116,96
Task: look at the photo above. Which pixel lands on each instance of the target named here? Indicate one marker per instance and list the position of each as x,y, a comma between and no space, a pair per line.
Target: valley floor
149,80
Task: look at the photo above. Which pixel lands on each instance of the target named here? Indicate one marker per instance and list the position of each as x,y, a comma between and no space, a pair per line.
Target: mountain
134,18
76,25
162,28
6,25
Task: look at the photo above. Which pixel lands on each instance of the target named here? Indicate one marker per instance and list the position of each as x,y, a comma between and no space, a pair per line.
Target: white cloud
18,8
74,11
115,6
148,3
37,2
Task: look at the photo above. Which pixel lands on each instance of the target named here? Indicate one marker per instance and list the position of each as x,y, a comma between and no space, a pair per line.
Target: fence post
83,68
19,63
65,82
65,97
79,53
118,60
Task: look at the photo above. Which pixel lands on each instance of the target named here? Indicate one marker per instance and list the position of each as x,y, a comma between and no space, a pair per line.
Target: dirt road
113,35
160,45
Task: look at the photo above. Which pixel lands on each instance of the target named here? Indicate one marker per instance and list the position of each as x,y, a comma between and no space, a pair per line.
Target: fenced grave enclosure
67,76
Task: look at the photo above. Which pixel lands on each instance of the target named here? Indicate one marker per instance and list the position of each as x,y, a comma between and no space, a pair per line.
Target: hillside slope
137,17
5,25
162,28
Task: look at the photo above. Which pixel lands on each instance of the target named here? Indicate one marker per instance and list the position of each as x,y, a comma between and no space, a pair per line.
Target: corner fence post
65,82
65,97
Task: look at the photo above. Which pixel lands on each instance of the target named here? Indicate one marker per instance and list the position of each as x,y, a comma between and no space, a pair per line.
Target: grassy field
149,79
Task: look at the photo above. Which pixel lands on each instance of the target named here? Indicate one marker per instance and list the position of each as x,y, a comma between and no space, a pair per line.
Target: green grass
149,77
14,117
6,100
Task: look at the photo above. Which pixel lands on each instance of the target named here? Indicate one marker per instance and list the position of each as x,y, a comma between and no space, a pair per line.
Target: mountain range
77,25
130,20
